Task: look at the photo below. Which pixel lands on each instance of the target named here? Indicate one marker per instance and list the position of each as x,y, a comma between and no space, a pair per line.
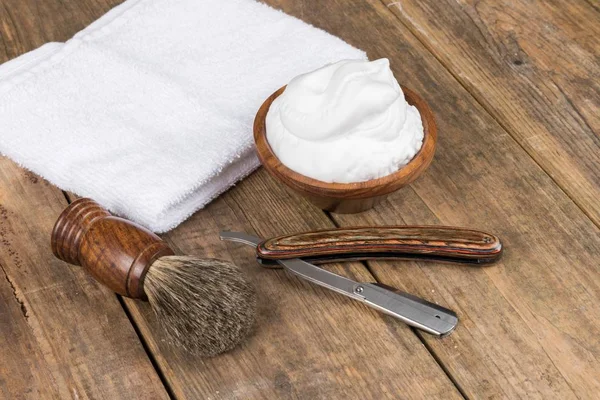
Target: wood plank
309,342
23,371
62,335
535,66
28,24
528,326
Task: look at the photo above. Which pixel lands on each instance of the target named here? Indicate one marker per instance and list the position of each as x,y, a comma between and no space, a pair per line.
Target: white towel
149,110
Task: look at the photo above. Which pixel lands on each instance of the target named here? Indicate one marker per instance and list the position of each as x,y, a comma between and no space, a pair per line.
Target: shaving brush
204,306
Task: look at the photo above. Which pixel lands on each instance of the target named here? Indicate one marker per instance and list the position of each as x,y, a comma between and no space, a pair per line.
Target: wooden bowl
347,197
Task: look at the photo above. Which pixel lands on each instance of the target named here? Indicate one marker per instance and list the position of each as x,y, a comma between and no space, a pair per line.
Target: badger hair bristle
205,306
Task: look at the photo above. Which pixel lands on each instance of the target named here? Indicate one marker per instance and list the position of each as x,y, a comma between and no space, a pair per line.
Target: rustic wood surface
514,91
62,335
535,67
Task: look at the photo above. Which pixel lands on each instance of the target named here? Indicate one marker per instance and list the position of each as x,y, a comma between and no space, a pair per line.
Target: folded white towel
149,110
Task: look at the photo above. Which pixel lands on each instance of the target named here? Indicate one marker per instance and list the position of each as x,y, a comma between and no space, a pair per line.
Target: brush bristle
205,306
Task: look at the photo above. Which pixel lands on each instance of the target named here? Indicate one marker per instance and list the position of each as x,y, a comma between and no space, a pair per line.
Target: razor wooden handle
438,243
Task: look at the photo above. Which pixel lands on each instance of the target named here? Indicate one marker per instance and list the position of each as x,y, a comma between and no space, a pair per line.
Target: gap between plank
593,5
155,363
139,335
416,333
414,32
66,195
441,364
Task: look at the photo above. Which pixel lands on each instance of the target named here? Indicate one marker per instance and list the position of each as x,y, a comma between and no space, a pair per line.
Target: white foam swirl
345,122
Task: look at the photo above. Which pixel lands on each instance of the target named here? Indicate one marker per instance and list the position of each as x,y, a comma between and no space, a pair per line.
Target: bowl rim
374,187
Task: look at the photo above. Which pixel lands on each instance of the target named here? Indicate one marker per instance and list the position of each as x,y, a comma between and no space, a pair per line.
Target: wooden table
514,85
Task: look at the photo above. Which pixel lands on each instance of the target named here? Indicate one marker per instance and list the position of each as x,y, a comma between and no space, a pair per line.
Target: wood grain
62,335
302,347
24,373
535,66
420,242
528,324
115,251
347,197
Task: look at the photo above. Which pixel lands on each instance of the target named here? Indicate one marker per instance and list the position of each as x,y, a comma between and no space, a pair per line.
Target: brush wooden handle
115,251
389,242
